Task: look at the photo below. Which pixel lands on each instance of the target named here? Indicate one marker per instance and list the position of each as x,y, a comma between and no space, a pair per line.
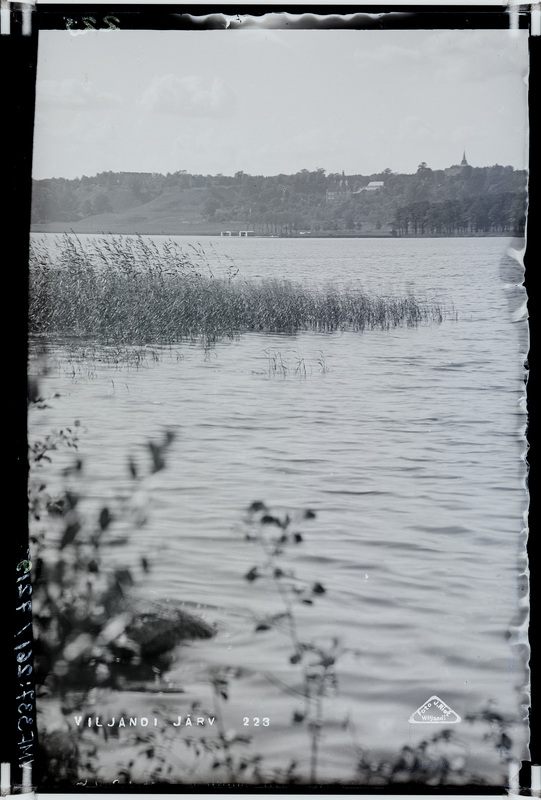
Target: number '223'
90,23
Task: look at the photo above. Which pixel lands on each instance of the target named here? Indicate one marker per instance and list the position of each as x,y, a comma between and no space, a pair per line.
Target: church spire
464,163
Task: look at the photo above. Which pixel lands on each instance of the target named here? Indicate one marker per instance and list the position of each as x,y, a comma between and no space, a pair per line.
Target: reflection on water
409,447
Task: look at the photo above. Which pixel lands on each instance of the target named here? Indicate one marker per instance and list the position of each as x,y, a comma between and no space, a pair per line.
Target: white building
371,187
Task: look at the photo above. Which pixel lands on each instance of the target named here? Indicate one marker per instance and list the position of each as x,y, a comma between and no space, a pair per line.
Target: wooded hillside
461,200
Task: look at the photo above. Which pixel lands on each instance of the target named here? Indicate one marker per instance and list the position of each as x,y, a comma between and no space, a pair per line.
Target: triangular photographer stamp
435,711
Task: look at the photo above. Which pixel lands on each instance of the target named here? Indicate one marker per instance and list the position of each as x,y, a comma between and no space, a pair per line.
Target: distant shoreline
48,228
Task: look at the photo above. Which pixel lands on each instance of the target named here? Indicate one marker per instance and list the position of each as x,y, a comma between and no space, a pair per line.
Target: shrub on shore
125,290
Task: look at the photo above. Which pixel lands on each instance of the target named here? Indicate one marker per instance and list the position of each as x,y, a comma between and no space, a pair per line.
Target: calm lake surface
408,444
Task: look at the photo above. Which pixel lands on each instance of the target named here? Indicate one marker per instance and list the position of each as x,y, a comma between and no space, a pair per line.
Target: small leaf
105,518
78,648
70,533
169,437
297,537
317,588
123,578
158,460
252,574
263,626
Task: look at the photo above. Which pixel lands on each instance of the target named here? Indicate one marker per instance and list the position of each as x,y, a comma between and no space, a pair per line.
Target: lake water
408,444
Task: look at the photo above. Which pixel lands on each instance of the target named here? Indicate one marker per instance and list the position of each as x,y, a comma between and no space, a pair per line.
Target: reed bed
126,290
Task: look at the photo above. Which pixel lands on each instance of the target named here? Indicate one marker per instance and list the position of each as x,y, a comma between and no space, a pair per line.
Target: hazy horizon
270,102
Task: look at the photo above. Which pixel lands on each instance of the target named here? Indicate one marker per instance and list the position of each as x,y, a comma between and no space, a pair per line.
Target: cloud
79,132
414,129
189,96
477,55
70,92
389,54
448,56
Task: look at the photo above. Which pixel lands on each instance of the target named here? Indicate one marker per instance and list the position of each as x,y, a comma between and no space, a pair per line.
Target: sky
269,101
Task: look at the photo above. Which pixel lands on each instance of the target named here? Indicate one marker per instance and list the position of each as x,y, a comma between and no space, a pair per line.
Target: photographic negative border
20,52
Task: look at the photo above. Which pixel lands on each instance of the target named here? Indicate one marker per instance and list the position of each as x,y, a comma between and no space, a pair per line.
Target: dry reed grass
125,290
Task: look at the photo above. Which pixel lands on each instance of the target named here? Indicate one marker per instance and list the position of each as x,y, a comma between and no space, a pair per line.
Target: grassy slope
174,212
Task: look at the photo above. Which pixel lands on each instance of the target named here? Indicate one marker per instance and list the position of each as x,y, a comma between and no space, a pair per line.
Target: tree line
460,200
